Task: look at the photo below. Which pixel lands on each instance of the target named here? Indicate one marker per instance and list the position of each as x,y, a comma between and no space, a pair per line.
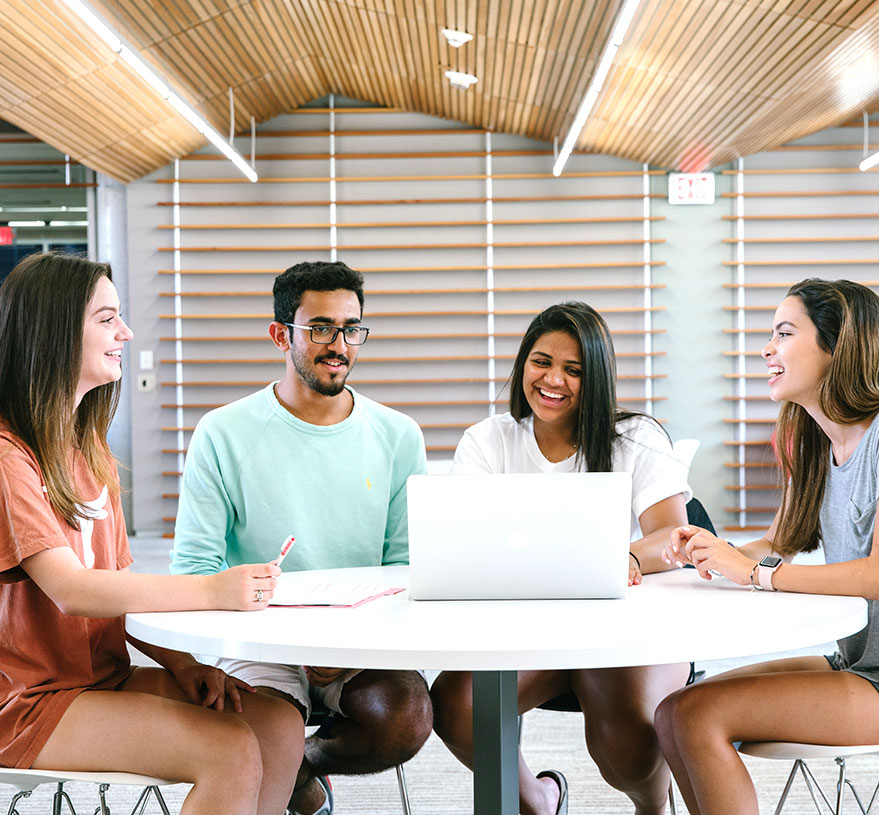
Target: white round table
672,617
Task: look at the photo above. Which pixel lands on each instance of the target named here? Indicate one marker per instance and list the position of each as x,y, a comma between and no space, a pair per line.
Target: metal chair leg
102,809
140,806
59,797
840,784
404,790
787,786
865,810
15,799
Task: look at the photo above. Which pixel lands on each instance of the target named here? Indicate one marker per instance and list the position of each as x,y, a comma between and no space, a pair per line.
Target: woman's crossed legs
799,699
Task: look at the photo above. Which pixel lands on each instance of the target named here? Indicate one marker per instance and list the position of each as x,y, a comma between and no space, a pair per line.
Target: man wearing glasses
308,456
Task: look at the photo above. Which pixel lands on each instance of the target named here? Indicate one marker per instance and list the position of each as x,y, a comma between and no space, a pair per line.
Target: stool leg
672,801
161,799
404,791
858,801
103,809
787,786
15,799
140,804
813,785
840,784
59,797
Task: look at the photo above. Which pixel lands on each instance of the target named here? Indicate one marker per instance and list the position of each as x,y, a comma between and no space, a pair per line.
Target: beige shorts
289,679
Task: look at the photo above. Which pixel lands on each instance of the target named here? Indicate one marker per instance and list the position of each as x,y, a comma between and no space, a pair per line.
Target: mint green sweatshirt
255,474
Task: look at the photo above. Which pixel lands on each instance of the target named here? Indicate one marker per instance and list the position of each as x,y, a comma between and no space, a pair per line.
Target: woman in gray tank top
823,361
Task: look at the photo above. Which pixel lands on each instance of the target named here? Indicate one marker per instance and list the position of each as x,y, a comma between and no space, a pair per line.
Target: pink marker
288,545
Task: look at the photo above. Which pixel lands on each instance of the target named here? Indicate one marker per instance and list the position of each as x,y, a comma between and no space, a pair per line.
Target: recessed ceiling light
461,80
456,38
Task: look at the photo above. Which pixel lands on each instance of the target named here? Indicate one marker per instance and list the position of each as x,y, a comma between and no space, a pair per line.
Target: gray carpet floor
438,785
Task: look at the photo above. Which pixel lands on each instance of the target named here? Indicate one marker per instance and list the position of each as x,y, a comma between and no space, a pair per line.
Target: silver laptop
519,536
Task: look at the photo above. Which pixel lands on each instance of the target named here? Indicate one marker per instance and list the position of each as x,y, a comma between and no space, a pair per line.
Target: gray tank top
848,513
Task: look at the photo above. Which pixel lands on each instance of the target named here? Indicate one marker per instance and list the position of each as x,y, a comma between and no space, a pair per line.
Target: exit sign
691,188
6,236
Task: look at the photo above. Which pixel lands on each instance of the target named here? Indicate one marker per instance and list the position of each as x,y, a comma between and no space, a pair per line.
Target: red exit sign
6,235
691,188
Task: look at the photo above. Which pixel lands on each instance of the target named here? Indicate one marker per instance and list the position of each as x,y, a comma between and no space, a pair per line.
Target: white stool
787,751
26,781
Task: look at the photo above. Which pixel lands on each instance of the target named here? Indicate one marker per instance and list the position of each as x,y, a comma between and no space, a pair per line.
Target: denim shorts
833,659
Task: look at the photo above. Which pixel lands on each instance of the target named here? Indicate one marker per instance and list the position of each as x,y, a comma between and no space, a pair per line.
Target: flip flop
555,775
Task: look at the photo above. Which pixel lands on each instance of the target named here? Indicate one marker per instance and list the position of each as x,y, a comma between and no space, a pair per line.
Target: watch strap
764,576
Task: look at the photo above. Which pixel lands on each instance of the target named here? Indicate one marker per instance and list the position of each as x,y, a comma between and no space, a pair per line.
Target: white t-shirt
500,444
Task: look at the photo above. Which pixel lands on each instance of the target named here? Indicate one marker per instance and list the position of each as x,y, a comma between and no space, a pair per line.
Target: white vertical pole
489,278
333,233
741,337
178,321
648,292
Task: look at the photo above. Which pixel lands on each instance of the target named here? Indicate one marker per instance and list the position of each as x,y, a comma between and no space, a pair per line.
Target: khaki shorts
289,679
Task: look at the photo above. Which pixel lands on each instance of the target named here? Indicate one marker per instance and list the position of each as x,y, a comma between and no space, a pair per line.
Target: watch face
771,561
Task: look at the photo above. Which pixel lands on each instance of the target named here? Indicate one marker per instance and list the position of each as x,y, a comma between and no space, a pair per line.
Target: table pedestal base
495,743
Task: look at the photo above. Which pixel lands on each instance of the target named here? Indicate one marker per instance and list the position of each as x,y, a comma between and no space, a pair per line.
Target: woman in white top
564,418
823,366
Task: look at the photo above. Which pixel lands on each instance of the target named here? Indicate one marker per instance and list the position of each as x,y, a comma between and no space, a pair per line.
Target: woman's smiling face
551,379
797,362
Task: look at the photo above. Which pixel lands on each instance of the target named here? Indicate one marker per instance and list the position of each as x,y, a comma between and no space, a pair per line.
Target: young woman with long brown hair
823,361
69,699
564,417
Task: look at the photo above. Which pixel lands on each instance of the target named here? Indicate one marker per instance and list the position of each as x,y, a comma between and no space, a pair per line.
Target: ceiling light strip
152,79
601,72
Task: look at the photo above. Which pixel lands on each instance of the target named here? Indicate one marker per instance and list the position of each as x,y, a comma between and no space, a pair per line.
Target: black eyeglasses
326,334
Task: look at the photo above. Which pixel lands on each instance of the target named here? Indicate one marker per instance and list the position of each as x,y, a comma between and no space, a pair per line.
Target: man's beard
309,376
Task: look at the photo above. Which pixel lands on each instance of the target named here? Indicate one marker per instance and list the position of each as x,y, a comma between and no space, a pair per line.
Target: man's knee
625,749
400,708
452,697
413,715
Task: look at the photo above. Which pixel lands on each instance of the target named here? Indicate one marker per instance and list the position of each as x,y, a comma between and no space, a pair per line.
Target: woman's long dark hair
42,314
597,411
846,316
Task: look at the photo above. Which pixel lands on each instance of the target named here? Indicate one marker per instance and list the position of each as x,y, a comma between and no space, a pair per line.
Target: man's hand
324,676
207,686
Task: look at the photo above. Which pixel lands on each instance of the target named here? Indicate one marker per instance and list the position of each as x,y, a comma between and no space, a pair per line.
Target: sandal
555,775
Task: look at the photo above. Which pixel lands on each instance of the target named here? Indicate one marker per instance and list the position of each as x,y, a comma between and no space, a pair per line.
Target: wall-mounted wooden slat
263,338
408,381
377,314
433,269
407,246
808,262
410,224
838,193
379,202
398,178
367,359
397,292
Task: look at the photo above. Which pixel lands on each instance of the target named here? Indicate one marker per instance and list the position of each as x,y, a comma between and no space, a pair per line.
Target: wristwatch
765,569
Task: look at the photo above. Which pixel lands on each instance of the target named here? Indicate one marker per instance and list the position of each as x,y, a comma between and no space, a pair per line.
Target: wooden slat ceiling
696,84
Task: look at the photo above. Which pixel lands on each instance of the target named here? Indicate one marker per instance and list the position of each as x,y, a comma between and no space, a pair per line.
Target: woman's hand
675,553
207,686
709,554
244,588
634,571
